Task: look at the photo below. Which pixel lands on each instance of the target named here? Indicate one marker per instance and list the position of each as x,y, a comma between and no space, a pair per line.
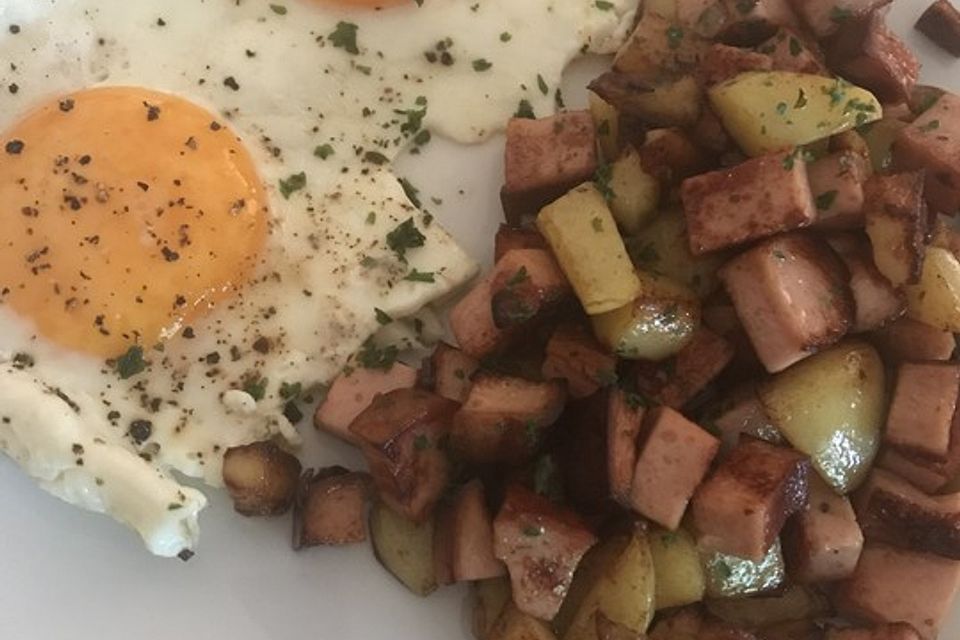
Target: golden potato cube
676,563
635,193
767,111
516,625
606,119
583,235
936,299
404,548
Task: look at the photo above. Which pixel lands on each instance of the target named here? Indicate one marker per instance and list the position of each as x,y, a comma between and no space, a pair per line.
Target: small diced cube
876,302
836,182
509,238
648,53
541,544
545,158
679,380
671,155
868,53
922,409
624,422
331,508
896,221
504,419
401,436
932,142
792,297
744,415
574,355
466,527
941,23
752,200
528,286
472,323
452,372
754,21
723,62
790,51
909,339
822,543
353,391
894,631
742,507
896,585
672,461
892,511
825,17
261,478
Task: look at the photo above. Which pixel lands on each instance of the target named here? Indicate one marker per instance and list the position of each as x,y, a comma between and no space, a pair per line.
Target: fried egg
200,221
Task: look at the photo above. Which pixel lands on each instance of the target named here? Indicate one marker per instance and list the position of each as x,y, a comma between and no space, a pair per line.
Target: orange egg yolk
127,214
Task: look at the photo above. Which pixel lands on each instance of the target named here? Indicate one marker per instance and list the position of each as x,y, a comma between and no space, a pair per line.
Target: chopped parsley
781,108
597,224
933,125
323,151
790,161
375,157
506,36
542,85
420,276
837,92
481,64
525,110
674,36
290,391
278,9
372,217
405,236
519,277
256,388
371,356
383,318
131,363
825,200
602,180
603,5
411,192
345,37
292,184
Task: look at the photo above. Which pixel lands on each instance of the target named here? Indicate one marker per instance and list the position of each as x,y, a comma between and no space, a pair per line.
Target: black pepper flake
231,83
14,29
13,88
67,105
185,555
188,333
169,254
262,345
140,431
161,22
77,449
143,186
215,126
85,160
67,400
153,111
212,358
73,202
14,147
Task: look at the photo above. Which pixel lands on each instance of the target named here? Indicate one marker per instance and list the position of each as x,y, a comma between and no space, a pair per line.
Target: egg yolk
127,214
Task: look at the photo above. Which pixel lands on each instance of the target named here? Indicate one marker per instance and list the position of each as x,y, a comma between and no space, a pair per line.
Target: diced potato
262,478
896,221
663,248
880,137
656,325
936,299
733,577
766,111
607,121
664,103
636,193
583,235
404,548
516,625
617,580
679,575
795,603
490,599
831,407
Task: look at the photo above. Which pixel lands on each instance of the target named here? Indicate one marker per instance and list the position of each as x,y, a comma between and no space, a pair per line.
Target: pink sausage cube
353,392
932,142
922,409
836,182
671,464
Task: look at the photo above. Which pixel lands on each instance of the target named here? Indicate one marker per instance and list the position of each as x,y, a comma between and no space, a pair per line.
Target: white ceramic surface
66,574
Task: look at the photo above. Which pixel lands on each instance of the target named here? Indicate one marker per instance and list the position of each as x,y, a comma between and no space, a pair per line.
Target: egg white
326,266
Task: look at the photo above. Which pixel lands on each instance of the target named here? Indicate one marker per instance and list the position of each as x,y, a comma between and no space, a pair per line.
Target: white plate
69,574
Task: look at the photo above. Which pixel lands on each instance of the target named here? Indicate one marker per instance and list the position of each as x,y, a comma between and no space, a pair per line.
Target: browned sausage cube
941,23
908,339
744,415
261,478
471,321
452,372
673,459
869,54
896,585
723,62
504,419
677,381
527,286
896,219
932,142
836,182
624,421
400,435
790,51
825,17
791,295
876,301
752,200
922,409
742,507
546,158
353,391
823,542
671,156
754,21
509,238
895,631
542,544
892,511
574,355
472,555
331,507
